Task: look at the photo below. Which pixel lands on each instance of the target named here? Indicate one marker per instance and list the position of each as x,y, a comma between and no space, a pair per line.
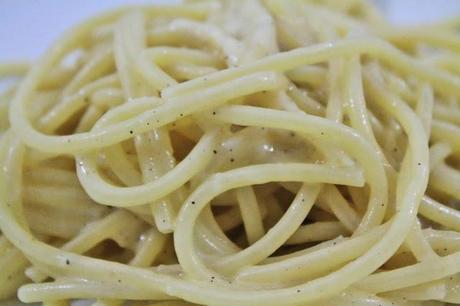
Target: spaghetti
234,153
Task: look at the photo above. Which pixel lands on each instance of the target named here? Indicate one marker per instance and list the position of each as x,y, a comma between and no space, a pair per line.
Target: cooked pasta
256,152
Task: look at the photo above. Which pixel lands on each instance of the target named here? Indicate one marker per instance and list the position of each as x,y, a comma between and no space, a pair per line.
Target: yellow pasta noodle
253,152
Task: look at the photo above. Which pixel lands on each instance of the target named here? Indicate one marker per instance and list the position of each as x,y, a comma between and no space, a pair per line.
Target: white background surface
27,27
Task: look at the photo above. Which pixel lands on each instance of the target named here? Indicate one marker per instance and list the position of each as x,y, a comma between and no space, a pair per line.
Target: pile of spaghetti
235,153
